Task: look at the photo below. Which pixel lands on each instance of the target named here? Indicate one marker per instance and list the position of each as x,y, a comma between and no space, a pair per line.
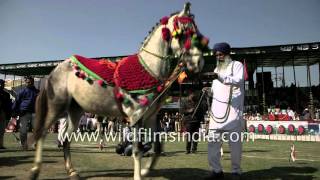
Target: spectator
192,118
306,114
165,122
5,106
24,107
177,122
290,113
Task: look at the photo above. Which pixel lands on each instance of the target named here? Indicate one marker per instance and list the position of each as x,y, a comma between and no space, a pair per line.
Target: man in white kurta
226,111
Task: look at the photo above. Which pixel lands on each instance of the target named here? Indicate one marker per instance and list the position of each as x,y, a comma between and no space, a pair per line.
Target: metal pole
295,84
14,78
310,90
283,77
263,92
319,72
275,69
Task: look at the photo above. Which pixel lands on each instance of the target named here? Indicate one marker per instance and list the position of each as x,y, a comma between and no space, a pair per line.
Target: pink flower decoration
144,101
76,67
100,82
119,96
82,75
164,20
160,88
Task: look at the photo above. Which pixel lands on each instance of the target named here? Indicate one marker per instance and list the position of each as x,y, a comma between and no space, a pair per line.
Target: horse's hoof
74,176
34,175
145,172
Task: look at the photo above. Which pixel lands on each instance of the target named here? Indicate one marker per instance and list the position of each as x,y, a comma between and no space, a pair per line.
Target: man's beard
222,65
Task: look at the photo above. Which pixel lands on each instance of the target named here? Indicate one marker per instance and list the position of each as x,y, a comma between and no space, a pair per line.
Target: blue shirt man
24,107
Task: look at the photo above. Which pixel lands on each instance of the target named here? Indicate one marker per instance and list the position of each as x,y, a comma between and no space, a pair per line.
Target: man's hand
206,89
215,76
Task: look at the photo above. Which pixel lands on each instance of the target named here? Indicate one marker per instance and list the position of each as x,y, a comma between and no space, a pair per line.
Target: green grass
262,159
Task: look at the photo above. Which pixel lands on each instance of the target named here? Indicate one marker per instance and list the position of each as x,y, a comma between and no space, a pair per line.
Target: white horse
176,42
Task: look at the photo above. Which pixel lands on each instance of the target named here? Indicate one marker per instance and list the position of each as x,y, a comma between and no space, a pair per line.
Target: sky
42,30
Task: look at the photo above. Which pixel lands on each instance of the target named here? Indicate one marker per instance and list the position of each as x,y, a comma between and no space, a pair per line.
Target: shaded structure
258,96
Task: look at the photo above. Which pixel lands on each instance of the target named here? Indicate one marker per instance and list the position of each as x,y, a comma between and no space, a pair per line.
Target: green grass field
261,160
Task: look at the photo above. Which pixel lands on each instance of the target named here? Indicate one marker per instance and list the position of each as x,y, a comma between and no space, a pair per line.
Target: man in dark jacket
193,115
5,110
24,107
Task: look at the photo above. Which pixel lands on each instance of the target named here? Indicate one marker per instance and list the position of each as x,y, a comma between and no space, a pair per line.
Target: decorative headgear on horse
166,35
186,29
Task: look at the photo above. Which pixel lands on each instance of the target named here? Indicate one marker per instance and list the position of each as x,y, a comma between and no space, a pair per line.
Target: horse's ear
186,10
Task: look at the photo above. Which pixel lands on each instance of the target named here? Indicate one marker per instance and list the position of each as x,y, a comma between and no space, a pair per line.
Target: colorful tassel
126,101
76,67
150,96
101,83
82,75
77,73
166,35
187,44
89,80
119,96
143,101
160,88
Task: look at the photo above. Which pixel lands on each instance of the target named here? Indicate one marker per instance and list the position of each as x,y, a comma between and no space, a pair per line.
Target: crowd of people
276,114
219,108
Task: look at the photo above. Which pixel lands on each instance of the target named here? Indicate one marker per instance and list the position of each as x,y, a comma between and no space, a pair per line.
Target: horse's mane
146,39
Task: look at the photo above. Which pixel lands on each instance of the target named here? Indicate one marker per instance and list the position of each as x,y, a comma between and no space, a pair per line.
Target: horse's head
177,37
187,42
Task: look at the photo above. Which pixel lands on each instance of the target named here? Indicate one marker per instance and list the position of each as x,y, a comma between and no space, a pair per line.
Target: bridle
184,29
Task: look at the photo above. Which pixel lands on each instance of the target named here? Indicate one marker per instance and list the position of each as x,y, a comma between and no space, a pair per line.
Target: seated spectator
306,114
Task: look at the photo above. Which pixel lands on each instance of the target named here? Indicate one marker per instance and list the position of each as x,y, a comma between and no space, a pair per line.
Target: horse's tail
41,113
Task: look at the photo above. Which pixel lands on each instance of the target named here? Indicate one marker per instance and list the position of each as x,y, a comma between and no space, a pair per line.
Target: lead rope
226,115
194,112
167,85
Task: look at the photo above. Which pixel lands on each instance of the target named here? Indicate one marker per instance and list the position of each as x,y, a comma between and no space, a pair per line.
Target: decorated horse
133,88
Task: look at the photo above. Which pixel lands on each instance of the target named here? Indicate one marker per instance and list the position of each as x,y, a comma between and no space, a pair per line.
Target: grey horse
65,92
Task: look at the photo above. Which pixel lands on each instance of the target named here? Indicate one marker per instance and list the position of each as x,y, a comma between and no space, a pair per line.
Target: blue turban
222,47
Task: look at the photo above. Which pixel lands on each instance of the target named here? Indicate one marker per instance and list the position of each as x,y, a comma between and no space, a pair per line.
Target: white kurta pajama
229,77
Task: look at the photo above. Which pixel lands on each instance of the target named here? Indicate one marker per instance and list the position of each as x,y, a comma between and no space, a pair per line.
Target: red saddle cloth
128,73
103,68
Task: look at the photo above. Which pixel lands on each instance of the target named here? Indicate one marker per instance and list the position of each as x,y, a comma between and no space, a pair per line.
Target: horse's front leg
137,155
38,160
154,158
73,174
